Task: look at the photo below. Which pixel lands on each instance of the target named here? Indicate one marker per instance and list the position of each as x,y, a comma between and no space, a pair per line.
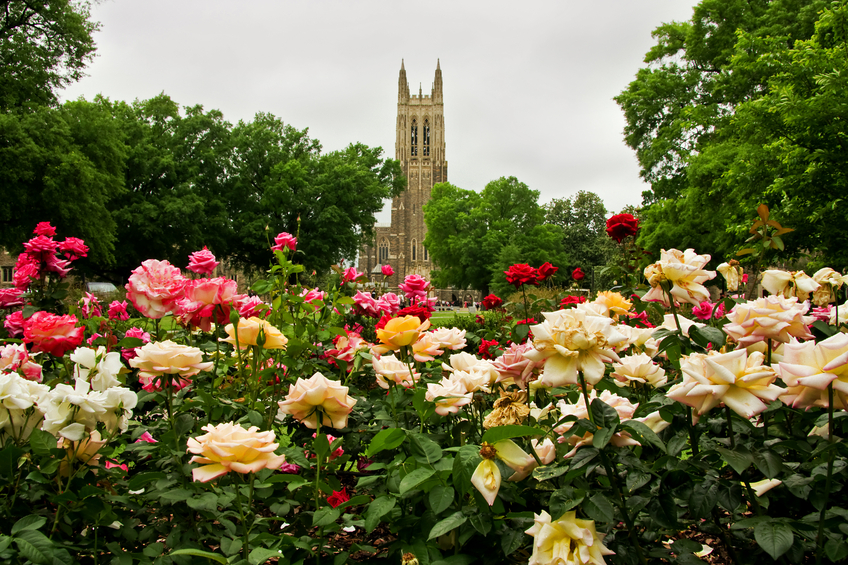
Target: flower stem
693,434
727,415
823,512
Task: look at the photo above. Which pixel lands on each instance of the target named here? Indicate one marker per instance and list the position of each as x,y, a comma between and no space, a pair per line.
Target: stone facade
420,148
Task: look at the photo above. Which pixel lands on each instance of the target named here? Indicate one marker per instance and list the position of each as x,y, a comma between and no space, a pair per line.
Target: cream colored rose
732,274
830,281
453,396
545,450
772,317
638,369
737,379
229,447
808,368
318,395
249,330
613,302
621,405
685,270
390,369
566,540
569,341
156,359
788,284
487,480
449,338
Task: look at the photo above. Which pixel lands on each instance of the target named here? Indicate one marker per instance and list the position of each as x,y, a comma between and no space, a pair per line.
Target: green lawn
449,315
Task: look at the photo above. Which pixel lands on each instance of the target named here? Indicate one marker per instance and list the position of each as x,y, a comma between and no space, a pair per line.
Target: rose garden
667,384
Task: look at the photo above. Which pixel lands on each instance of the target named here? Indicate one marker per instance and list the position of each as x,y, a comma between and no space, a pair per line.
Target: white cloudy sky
528,86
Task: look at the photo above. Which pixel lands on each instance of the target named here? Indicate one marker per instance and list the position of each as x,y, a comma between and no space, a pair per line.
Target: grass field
449,315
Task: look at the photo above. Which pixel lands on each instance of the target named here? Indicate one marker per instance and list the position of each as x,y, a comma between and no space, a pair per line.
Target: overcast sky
528,86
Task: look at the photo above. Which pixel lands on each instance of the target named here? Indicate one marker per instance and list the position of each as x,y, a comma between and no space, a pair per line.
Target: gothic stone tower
420,148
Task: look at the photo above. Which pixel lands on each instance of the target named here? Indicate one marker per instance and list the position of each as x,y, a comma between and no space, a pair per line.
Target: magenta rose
202,262
155,288
52,334
40,247
620,226
313,294
520,274
414,287
11,297
365,305
252,307
118,311
130,353
351,274
284,241
14,324
73,248
90,306
387,270
389,304
44,228
704,311
208,300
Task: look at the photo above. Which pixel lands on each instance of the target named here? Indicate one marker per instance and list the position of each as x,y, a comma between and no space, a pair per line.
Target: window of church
426,258
414,138
384,251
426,138
414,250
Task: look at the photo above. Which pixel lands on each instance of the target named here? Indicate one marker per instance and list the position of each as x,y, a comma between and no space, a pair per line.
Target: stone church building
420,148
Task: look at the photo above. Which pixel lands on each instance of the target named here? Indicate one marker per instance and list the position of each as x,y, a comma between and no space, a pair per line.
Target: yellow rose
566,540
229,447
249,330
400,332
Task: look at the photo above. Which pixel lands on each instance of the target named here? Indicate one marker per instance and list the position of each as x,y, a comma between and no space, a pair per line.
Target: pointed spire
401,65
437,84
403,85
438,68
420,91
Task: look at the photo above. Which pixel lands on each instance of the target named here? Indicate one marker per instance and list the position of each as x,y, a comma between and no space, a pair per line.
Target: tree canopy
472,238
743,105
582,219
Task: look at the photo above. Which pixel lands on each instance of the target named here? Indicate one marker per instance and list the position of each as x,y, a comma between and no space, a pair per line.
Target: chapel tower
420,148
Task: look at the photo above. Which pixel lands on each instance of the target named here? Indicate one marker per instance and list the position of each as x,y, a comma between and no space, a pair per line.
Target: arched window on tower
426,137
414,250
426,255
384,252
413,140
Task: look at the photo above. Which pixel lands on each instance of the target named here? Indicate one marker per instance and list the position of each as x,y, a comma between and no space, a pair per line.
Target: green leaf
644,434
705,335
602,437
200,553
325,516
35,546
130,343
377,509
31,522
415,478
511,540
774,537
386,439
703,499
739,458
494,435
262,554
424,449
604,414
466,461
599,508
42,442
481,522
206,501
441,498
549,472
321,446
768,462
836,550
444,526
230,546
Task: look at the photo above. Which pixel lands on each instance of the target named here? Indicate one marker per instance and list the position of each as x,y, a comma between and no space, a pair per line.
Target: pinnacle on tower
437,83
403,85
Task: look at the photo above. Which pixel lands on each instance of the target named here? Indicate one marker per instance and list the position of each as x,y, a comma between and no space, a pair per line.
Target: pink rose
155,287
351,274
387,270
56,265
364,304
284,241
25,273
208,300
389,304
40,247
202,262
52,334
90,306
314,294
15,357
44,228
73,248
513,365
414,287
111,465
14,324
11,297
252,307
93,338
118,311
146,438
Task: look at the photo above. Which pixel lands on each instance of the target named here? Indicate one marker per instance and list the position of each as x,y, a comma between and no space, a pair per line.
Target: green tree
64,165
282,182
468,232
44,45
582,219
704,120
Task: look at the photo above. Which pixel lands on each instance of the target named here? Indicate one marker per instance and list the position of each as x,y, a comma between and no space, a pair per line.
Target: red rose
571,301
52,334
419,311
578,274
621,226
338,497
485,348
546,271
491,302
521,274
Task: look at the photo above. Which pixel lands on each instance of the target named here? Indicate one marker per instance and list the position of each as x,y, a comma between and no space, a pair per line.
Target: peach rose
157,359
229,447
773,317
307,398
248,334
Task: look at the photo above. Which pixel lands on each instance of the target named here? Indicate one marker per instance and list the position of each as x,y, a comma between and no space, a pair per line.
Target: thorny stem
727,415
